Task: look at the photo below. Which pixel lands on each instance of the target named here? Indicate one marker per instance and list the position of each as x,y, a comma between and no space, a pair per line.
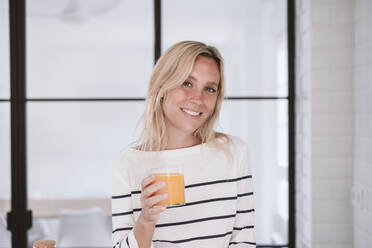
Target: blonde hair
170,71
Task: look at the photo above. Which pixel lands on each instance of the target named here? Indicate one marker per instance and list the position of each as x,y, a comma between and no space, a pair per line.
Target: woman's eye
211,90
187,84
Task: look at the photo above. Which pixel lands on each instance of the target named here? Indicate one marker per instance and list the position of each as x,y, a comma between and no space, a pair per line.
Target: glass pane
251,35
5,171
71,149
4,50
82,48
264,126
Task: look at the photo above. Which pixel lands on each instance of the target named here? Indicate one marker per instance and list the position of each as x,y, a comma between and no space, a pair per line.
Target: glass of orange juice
175,185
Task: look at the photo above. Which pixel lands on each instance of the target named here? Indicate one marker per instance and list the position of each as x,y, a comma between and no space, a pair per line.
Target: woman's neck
179,141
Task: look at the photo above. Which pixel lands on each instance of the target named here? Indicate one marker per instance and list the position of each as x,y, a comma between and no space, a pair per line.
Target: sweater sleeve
243,232
122,211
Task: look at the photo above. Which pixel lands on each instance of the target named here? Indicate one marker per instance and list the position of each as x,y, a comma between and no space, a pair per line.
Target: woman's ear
163,94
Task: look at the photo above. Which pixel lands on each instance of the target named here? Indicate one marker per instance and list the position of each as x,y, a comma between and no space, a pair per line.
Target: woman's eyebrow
194,79
213,83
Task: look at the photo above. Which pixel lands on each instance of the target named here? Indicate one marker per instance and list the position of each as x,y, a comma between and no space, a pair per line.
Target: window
252,37
76,51
88,65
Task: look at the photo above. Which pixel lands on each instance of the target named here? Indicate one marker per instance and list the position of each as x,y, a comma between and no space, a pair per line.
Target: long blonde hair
170,71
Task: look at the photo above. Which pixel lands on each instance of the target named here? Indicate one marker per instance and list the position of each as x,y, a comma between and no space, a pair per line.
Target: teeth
191,112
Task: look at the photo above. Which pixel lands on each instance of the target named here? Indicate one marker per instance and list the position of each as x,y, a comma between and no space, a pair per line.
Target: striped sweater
219,198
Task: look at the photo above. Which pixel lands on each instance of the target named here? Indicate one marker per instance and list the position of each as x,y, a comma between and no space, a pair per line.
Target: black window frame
19,219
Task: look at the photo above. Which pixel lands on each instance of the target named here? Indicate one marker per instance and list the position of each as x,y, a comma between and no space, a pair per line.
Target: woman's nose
197,96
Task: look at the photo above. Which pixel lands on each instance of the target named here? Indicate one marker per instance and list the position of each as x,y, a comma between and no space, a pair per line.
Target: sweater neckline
171,151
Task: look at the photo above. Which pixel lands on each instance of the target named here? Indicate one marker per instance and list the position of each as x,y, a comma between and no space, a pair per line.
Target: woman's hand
150,213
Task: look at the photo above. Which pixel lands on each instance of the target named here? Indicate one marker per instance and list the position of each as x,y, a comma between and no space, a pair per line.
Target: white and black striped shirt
219,198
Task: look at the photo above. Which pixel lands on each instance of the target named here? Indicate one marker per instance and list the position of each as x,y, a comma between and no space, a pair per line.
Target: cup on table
175,185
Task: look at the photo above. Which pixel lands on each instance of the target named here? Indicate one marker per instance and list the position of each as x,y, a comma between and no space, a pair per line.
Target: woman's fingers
148,180
151,201
152,188
151,211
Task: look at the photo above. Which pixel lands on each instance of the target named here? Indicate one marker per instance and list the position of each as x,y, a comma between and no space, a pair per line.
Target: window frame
19,218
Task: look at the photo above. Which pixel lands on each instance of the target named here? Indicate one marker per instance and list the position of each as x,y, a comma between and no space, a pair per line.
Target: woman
184,100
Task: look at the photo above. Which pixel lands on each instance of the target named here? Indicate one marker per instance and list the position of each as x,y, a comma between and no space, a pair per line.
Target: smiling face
188,106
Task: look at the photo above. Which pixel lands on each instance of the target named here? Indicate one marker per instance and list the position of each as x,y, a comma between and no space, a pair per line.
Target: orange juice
175,188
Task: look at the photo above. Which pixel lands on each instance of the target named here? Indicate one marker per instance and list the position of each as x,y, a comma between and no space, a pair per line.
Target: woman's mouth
192,113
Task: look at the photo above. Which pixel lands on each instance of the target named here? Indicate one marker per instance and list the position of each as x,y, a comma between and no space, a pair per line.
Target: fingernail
165,195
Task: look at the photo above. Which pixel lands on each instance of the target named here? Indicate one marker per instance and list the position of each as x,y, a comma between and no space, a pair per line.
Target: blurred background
88,66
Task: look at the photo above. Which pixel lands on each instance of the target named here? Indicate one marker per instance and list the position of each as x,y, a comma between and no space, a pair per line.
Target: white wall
363,123
324,123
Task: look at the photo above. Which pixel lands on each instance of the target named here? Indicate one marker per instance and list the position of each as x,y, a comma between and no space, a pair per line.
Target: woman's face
188,106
